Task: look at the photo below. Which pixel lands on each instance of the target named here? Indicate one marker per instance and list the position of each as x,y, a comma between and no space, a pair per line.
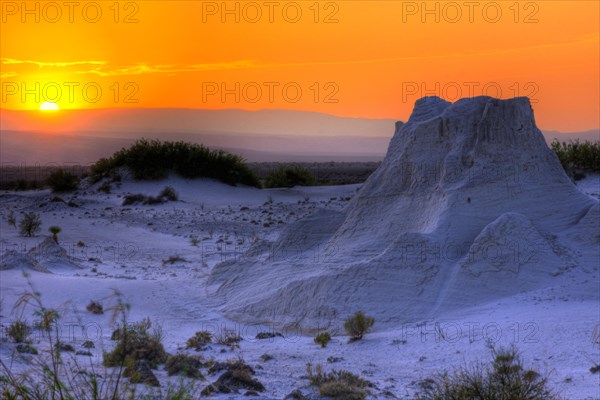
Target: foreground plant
52,376
505,379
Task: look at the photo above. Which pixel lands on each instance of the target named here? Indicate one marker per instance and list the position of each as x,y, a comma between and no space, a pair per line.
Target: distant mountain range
83,136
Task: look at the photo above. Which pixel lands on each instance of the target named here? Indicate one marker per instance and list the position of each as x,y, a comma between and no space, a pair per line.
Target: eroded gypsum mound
457,177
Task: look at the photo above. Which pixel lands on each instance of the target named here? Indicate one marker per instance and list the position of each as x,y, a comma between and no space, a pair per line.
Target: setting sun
49,106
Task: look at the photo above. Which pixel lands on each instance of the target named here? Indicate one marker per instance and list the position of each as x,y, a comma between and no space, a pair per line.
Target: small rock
295,395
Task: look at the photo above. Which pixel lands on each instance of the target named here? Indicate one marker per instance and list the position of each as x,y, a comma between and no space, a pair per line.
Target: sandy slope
469,206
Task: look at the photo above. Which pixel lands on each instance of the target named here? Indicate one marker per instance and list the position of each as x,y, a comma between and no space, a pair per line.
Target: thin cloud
103,68
140,69
44,64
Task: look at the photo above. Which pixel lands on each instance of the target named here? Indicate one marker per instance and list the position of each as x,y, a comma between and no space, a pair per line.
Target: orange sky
352,58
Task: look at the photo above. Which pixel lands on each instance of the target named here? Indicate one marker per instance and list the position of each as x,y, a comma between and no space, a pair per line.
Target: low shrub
135,342
130,199
95,308
323,338
182,364
18,331
105,188
26,348
228,338
290,176
11,219
357,325
576,156
153,159
30,224
169,194
199,340
338,384
61,180
151,200
267,335
505,379
173,260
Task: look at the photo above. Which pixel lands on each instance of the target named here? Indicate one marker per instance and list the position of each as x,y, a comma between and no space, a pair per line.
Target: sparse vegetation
54,230
30,224
357,325
185,365
595,369
153,159
61,180
26,348
228,337
56,375
11,219
267,335
341,385
131,199
199,340
167,194
173,260
505,379
290,176
323,338
578,157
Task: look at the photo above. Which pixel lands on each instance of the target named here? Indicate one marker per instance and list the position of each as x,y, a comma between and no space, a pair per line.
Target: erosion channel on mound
469,205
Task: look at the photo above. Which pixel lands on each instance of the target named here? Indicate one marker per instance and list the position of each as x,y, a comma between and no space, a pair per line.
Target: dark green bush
134,343
576,155
290,176
30,224
61,180
357,325
153,159
505,379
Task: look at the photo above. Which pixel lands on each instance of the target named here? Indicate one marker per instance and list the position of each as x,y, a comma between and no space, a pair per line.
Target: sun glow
49,106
